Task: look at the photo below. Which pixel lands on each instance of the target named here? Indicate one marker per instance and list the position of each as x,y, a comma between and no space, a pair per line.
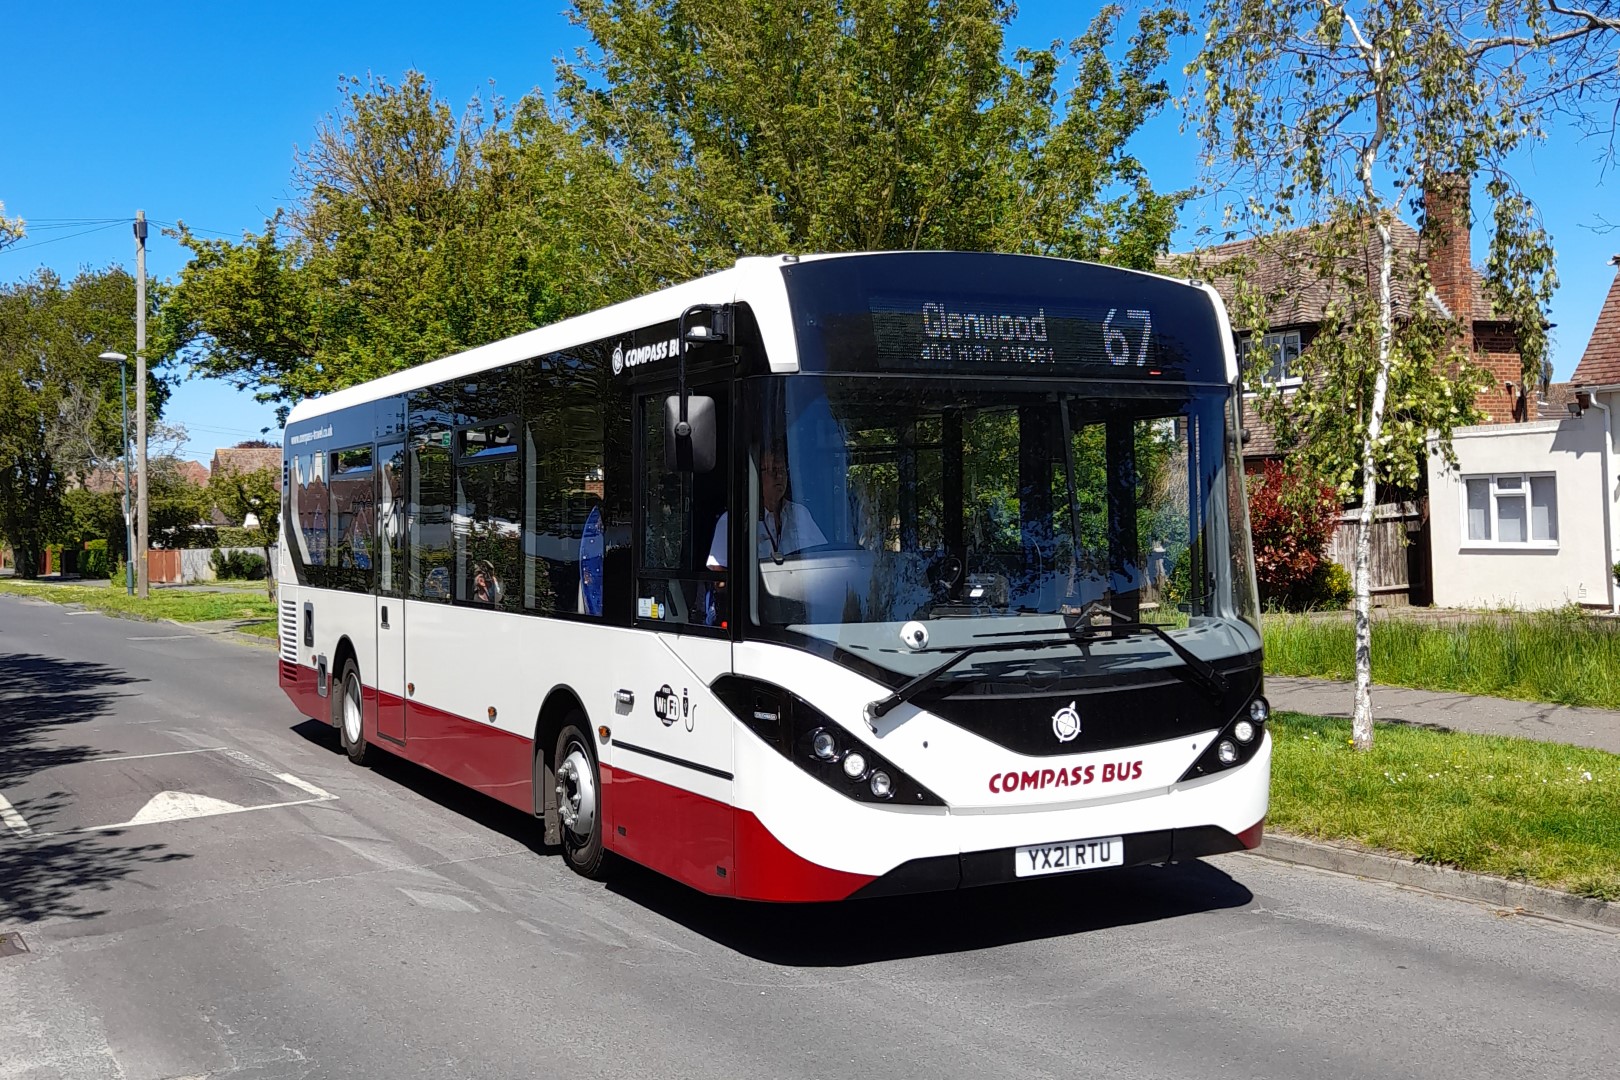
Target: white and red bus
819,577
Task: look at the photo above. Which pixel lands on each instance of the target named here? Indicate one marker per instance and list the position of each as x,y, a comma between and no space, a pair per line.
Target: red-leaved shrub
1293,520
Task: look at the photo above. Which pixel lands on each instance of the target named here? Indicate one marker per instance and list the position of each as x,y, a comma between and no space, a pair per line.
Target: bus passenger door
390,667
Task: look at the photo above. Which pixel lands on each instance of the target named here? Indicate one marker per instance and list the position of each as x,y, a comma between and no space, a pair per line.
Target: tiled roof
246,459
1284,270
1553,401
194,471
102,480
1600,364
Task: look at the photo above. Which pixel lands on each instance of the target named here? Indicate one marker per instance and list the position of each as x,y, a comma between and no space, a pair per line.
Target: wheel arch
343,651
560,702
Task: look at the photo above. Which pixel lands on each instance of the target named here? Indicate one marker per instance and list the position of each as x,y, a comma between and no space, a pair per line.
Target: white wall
1574,569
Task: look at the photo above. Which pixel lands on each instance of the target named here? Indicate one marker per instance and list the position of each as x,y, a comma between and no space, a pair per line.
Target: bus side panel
479,755
473,692
678,833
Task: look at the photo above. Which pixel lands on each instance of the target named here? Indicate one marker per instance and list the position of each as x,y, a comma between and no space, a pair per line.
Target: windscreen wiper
884,705
1197,669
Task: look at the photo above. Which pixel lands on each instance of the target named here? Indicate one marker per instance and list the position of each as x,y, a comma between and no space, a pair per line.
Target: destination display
943,313
920,333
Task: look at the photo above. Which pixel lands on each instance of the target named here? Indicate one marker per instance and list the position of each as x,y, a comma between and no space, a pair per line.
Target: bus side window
428,508
565,519
489,502
679,514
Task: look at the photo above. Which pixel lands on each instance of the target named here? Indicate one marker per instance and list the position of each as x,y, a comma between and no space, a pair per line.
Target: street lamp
129,525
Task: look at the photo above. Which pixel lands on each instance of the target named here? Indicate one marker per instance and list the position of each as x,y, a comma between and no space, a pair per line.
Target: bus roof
754,279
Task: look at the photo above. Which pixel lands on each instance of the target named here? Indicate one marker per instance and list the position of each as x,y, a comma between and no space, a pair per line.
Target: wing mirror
689,422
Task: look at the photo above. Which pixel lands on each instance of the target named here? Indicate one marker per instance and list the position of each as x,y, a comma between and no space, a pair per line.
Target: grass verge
1568,658
161,604
1539,812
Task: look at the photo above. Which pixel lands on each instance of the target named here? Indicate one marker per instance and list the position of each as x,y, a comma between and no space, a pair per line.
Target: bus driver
784,525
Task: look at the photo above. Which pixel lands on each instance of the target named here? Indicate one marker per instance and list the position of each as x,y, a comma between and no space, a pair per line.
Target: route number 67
1117,346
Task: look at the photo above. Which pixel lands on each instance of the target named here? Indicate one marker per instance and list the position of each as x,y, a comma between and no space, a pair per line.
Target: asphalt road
263,909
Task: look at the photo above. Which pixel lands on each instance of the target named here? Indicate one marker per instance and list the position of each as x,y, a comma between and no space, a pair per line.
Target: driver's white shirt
795,530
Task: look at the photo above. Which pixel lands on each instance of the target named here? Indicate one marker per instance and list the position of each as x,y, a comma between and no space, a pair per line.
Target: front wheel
579,788
351,714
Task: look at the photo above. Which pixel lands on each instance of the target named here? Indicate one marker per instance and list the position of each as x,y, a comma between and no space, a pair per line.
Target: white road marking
214,813
304,785
14,820
166,753
160,637
180,805
168,806
85,612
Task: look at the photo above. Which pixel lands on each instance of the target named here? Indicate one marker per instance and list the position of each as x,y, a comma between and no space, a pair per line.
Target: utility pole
140,402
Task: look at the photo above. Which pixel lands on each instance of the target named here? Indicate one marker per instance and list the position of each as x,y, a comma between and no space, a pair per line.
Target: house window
1510,510
1278,352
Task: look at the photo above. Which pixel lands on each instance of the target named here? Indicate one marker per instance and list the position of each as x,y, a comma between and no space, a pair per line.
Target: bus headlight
1233,746
817,744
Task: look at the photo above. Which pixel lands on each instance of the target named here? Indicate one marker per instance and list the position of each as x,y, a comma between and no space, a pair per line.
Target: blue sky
192,112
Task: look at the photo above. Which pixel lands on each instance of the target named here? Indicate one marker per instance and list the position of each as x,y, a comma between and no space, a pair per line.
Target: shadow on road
861,931
46,876
869,931
41,697
463,801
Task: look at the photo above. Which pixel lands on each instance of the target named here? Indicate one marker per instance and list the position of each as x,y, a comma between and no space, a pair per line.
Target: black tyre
579,798
348,712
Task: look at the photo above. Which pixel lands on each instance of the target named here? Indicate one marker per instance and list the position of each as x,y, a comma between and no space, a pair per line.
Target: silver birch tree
1335,114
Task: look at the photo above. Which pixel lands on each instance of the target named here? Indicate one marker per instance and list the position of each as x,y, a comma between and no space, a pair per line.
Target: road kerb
1512,896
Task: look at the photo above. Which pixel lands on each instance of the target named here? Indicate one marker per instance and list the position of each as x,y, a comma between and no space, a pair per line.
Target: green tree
839,125
57,400
252,497
1336,113
691,133
404,245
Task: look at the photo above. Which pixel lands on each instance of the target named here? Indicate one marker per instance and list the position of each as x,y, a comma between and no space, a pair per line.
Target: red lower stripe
481,756
709,845
299,685
1251,837
712,846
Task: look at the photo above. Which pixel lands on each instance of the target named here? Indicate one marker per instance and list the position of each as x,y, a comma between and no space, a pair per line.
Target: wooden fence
1399,555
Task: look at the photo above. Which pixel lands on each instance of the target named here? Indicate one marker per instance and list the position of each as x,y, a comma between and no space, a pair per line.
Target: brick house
1299,297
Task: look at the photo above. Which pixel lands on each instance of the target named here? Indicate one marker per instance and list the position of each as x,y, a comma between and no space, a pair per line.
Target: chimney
1447,219
1445,244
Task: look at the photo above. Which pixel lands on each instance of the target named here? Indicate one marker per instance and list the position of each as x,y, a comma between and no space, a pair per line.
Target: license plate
1068,857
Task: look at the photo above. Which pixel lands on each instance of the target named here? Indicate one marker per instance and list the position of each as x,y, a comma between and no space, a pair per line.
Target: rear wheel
579,803
348,703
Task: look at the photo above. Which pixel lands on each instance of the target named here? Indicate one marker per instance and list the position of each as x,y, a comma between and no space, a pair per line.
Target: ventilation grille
289,631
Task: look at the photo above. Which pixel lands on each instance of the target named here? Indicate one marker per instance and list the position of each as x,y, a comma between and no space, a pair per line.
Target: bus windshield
986,507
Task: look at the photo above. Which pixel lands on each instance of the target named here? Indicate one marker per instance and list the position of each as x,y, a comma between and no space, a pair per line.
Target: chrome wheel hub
576,793
351,709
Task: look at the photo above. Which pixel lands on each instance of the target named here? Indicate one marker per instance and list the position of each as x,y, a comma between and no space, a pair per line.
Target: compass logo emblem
1066,723
618,359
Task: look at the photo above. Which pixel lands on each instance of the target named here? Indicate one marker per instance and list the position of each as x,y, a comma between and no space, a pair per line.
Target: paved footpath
1597,728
